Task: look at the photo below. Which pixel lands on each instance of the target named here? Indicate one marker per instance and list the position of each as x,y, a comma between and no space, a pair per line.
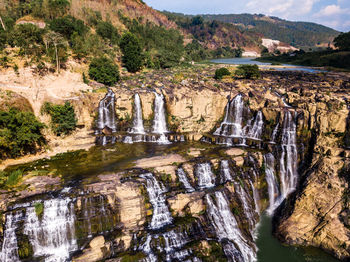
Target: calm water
251,61
271,250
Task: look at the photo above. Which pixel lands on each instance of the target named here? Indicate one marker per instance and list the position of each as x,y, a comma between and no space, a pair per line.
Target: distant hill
298,34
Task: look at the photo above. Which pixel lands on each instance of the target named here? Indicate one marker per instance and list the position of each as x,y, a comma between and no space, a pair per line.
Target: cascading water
232,124
161,215
273,188
138,127
205,176
226,227
52,236
184,180
106,113
9,251
225,172
159,122
289,156
274,133
256,130
248,209
174,242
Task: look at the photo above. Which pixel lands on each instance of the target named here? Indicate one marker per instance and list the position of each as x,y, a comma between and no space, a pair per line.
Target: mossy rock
25,249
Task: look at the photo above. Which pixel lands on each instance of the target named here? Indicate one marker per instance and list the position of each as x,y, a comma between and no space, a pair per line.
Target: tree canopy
132,52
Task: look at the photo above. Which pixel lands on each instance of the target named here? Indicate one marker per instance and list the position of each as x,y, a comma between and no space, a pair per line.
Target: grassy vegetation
329,58
11,179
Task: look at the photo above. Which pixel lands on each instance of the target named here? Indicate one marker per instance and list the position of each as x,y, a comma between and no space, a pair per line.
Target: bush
104,71
247,71
63,120
342,41
132,52
68,25
221,72
20,133
108,31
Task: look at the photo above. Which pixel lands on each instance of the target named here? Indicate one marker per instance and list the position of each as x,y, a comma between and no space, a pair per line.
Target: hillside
299,34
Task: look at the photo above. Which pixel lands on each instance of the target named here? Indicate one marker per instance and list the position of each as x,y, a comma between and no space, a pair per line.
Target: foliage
29,38
68,25
338,59
14,178
104,71
132,52
56,48
342,41
164,47
221,72
63,120
107,31
39,208
247,71
20,133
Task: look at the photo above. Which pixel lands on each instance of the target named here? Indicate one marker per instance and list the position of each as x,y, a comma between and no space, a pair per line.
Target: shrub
221,72
104,71
14,178
247,71
132,52
68,25
20,133
63,120
108,31
342,41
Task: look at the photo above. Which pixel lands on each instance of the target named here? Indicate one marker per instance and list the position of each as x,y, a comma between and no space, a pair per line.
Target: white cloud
331,10
283,8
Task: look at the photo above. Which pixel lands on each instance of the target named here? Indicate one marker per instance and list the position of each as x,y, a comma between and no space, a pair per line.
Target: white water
289,156
274,133
9,251
256,130
249,211
161,215
225,172
255,196
53,236
173,243
273,188
232,124
138,127
226,226
205,176
106,112
159,122
184,180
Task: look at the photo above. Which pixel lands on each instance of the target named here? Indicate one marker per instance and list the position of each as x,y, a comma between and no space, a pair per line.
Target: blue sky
332,13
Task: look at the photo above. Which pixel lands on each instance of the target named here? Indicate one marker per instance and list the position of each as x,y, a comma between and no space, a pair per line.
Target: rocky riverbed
211,157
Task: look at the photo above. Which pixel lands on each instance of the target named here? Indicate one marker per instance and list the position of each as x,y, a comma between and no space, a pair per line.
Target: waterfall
232,124
274,193
173,243
9,251
138,121
289,156
161,215
146,248
226,227
159,122
255,196
52,236
225,172
184,180
256,130
205,176
274,133
249,211
106,112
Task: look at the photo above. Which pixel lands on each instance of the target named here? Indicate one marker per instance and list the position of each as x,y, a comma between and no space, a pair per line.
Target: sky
332,13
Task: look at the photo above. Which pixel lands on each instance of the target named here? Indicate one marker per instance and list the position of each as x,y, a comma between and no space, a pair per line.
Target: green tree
221,72
132,52
68,25
104,71
57,8
247,71
107,31
59,44
63,120
20,133
29,38
342,41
